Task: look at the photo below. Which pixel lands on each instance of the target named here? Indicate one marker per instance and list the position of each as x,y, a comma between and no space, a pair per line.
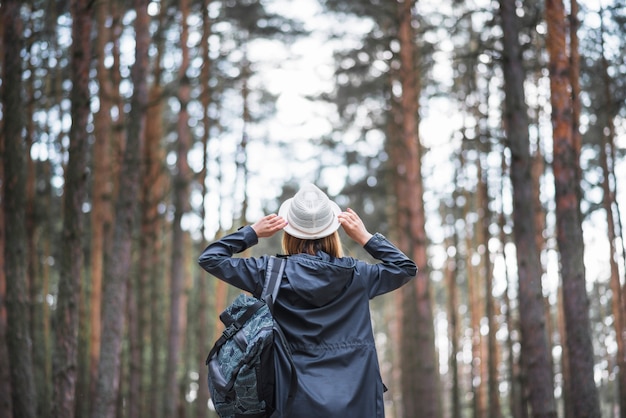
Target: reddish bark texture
584,400
535,350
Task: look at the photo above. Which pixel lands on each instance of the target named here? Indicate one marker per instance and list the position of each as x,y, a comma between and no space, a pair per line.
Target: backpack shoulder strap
275,269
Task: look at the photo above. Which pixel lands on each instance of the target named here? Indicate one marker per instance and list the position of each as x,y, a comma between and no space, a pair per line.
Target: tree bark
490,306
535,352
75,193
607,153
584,396
420,382
102,191
474,304
39,312
203,289
6,408
24,397
118,265
517,404
453,326
151,266
177,322
155,186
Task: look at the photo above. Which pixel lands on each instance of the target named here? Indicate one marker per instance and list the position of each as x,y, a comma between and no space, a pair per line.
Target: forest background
486,138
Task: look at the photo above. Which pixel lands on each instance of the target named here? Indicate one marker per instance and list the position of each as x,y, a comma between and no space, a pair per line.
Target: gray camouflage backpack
241,364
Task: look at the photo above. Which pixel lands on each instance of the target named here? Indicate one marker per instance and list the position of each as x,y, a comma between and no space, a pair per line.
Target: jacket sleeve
243,273
395,269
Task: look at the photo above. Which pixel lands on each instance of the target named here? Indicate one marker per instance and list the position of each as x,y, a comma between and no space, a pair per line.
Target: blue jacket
323,309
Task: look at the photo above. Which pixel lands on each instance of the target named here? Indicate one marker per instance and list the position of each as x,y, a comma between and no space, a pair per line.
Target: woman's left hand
269,225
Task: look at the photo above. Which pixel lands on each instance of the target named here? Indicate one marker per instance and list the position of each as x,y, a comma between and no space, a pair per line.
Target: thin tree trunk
39,312
535,352
565,371
133,398
75,193
6,408
102,190
151,267
607,152
242,158
181,200
617,303
517,405
203,291
396,315
584,395
118,265
491,346
574,79
146,308
453,327
202,327
24,397
420,391
474,307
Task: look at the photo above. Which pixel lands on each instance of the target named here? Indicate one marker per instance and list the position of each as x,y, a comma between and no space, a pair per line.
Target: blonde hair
331,245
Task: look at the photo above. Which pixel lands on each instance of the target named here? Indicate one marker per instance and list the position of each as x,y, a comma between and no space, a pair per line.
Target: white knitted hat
310,214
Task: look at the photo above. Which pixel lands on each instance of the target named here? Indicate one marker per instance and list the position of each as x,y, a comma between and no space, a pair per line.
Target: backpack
241,364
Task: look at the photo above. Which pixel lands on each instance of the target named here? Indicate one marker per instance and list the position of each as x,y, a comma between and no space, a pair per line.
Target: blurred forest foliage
486,138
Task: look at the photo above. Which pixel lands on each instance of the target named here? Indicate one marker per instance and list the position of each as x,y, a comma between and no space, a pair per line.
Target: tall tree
453,327
102,186
39,309
5,368
118,265
203,288
535,352
609,202
420,383
150,287
566,167
517,404
75,192
491,346
181,185
24,397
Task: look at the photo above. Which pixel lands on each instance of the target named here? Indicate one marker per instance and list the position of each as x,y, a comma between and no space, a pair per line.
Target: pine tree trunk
181,200
420,391
203,288
24,397
491,347
566,169
474,308
75,193
6,409
101,196
567,377
118,265
154,185
38,306
617,303
453,329
607,151
574,79
535,352
517,406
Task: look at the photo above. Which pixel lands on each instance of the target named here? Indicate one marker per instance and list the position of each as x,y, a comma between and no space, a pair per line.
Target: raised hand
354,226
269,225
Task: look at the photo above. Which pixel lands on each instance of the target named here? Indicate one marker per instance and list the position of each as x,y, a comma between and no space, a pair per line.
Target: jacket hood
319,279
